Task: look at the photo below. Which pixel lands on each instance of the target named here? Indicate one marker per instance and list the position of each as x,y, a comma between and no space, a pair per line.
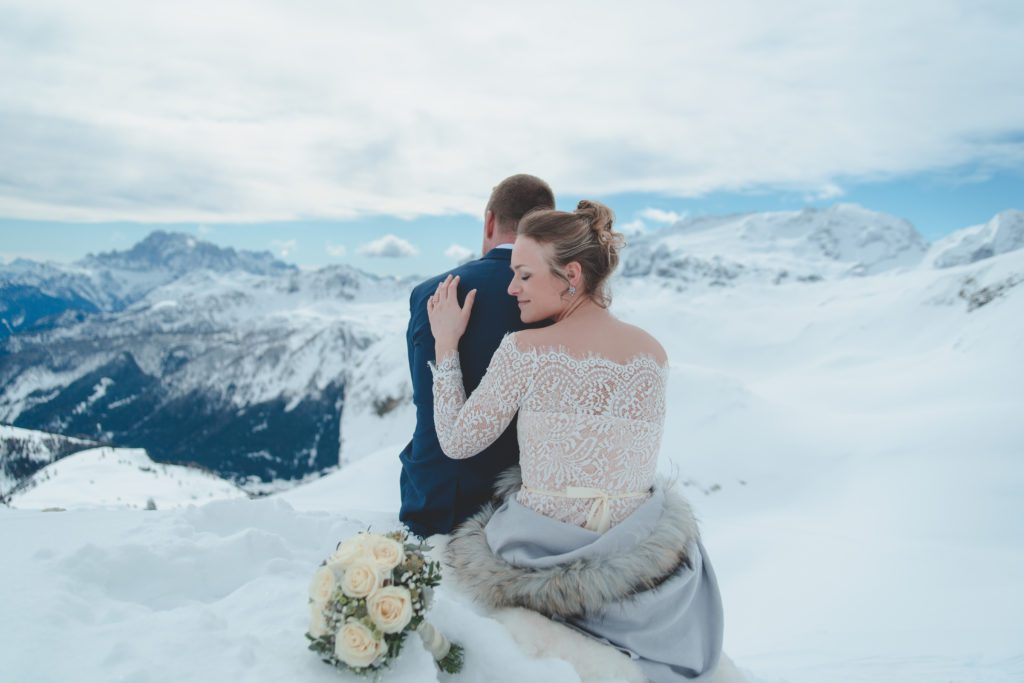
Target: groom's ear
490,224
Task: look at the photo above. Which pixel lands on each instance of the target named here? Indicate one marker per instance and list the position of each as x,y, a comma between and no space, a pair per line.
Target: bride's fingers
468,307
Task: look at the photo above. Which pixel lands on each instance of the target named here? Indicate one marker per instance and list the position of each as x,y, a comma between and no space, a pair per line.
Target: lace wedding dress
638,582
589,428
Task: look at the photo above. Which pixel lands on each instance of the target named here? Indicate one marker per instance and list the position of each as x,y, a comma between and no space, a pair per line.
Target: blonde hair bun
601,218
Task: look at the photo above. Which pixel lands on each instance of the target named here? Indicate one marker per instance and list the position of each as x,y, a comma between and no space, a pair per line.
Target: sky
343,132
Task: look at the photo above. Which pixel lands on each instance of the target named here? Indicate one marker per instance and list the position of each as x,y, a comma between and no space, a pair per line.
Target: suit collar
498,253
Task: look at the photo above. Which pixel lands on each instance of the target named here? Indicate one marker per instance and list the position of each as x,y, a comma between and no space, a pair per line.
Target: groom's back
438,492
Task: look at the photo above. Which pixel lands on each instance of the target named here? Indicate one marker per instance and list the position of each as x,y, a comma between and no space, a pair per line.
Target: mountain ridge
276,375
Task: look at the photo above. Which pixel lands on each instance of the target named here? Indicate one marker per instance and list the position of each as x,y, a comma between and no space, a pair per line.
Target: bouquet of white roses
367,596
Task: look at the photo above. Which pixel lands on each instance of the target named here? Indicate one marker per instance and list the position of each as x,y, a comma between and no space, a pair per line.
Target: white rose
390,608
350,550
361,578
387,553
322,587
356,645
317,621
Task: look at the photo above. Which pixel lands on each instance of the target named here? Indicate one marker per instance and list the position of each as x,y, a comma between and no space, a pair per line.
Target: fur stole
577,589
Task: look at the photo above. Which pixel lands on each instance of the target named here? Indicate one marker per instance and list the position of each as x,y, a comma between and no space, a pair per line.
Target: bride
585,535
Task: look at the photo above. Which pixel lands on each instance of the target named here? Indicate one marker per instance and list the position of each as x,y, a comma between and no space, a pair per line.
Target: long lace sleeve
466,427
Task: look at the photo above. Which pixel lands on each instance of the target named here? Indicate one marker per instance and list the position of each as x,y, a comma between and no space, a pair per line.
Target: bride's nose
512,288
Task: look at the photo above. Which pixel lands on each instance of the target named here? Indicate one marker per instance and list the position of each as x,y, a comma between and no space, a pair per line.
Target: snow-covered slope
119,477
807,246
1002,234
378,397
25,451
852,449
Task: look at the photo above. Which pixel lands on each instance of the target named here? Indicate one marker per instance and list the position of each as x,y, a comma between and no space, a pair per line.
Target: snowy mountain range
37,296
844,240
850,444
260,371
226,359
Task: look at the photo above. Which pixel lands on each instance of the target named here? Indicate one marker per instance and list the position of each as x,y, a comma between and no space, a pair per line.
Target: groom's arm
421,350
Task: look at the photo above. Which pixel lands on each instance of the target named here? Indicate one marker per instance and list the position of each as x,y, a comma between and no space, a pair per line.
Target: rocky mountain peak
180,253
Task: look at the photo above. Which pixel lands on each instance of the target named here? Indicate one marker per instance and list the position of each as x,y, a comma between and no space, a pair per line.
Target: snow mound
121,477
25,451
214,593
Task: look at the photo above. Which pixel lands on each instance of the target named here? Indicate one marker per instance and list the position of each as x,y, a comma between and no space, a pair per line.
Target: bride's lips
522,302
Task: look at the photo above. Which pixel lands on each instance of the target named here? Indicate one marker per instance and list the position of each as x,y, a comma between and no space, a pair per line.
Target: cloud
388,246
636,227
827,191
274,111
661,216
337,250
283,247
459,253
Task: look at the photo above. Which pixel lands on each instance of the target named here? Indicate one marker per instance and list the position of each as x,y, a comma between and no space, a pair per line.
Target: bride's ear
574,273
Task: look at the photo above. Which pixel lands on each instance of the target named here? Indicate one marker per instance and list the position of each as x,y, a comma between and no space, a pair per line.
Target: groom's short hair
516,196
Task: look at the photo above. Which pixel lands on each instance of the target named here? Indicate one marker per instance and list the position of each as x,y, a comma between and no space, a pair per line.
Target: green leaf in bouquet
453,661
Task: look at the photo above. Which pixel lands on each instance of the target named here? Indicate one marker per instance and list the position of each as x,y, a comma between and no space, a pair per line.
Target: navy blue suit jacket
437,492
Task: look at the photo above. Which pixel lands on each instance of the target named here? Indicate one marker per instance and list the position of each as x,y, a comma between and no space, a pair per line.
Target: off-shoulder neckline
641,358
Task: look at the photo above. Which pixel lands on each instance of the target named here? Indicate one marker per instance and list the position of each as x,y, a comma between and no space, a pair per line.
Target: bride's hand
448,320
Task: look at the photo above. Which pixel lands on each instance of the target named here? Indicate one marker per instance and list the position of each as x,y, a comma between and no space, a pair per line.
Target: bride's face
535,287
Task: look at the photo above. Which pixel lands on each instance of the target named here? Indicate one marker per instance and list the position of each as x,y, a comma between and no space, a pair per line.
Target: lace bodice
583,422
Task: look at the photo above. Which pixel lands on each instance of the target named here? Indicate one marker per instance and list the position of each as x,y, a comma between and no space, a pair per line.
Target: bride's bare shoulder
526,340
644,342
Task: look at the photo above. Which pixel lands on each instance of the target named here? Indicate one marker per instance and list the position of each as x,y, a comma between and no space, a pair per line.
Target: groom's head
511,199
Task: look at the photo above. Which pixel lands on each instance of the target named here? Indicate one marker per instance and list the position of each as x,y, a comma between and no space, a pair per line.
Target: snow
1002,234
776,246
852,447
29,388
35,443
119,477
98,392
23,450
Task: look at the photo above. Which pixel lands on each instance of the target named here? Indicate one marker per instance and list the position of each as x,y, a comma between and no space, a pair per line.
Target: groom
437,492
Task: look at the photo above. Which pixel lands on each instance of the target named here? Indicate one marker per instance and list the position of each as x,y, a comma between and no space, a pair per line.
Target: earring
572,290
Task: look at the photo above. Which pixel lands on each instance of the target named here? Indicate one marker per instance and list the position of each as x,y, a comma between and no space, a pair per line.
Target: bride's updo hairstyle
585,236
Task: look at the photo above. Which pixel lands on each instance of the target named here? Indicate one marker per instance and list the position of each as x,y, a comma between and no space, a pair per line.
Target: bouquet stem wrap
435,641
